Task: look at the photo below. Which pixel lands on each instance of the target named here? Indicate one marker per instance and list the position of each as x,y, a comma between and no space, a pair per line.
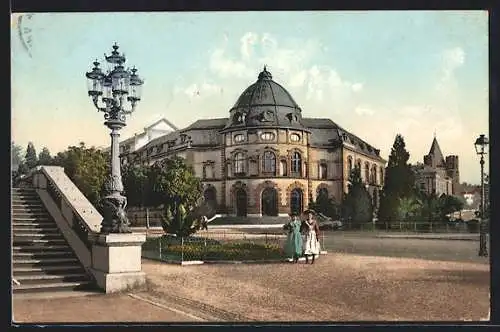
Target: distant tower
435,157
453,173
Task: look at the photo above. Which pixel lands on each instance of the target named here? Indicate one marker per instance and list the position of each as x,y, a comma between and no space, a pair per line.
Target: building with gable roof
266,159
438,174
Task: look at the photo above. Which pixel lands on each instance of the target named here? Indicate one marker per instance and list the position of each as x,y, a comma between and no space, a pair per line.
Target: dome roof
265,103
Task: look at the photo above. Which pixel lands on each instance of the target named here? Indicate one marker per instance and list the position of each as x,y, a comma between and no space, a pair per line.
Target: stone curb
197,262
426,238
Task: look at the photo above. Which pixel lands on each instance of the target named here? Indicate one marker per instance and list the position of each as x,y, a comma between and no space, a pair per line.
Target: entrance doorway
269,202
241,203
296,201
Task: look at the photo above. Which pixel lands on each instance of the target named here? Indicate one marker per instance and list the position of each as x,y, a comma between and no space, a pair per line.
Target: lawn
199,248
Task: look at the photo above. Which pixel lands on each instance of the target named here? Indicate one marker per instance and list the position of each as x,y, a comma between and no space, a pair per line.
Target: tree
175,185
399,181
135,180
88,168
449,204
30,157
357,205
325,205
44,158
16,158
409,208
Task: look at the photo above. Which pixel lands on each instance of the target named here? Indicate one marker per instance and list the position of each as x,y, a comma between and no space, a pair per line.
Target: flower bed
207,249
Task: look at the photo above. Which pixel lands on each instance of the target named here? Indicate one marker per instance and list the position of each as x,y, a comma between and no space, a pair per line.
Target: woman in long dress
311,242
293,245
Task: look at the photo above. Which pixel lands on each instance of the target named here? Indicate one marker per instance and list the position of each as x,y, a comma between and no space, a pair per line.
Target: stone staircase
42,260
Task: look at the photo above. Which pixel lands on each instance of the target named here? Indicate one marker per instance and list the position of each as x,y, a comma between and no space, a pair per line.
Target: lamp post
110,92
480,145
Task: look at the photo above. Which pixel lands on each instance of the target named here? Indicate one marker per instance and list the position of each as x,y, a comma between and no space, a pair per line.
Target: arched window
296,163
269,162
358,164
323,171
374,175
367,173
381,176
349,164
239,163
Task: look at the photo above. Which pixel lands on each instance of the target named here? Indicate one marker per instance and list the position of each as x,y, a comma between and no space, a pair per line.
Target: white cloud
291,65
451,60
364,111
247,41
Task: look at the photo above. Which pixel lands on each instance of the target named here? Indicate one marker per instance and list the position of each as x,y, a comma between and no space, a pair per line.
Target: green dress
293,245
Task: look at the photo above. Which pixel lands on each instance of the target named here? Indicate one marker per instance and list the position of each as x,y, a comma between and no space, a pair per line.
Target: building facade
266,159
159,128
437,174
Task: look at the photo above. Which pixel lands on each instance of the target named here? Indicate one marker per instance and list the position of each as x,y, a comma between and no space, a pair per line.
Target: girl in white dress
311,242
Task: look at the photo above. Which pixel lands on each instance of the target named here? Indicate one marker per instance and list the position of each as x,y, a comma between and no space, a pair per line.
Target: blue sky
375,73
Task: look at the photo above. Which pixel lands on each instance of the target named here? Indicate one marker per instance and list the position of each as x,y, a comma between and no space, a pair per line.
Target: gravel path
339,287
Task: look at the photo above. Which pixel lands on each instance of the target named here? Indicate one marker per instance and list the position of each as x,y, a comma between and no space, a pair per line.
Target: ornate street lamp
480,145
110,93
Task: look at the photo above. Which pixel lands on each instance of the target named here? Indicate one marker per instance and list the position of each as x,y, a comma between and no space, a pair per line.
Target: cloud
364,111
451,60
236,64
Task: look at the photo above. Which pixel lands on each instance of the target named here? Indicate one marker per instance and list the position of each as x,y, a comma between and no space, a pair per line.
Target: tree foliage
135,180
31,158
88,168
399,181
357,206
44,158
409,208
325,205
175,185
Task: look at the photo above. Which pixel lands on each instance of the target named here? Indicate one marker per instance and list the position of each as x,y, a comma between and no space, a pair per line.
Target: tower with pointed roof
438,174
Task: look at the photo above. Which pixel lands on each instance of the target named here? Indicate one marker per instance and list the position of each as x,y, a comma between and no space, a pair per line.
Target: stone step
54,278
25,199
37,236
39,270
32,221
39,248
28,208
33,230
30,214
52,287
45,261
27,204
43,254
28,242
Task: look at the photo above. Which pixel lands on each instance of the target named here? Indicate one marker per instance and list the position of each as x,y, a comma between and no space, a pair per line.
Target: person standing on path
311,242
293,245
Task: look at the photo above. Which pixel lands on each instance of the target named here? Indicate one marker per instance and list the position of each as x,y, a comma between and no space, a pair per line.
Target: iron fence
414,227
217,245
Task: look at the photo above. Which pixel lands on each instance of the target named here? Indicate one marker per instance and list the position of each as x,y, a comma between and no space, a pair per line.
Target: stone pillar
116,261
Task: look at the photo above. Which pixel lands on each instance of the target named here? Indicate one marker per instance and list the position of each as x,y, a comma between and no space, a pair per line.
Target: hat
310,211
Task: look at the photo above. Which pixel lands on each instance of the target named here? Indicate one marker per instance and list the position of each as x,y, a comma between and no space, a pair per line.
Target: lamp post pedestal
115,217
116,261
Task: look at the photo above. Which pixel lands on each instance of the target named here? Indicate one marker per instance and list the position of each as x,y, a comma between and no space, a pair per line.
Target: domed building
266,159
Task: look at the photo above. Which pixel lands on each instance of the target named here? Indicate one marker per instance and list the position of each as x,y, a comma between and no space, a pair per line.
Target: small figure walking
293,245
311,229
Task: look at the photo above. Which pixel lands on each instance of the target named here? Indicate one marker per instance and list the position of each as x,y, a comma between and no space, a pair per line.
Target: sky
375,73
